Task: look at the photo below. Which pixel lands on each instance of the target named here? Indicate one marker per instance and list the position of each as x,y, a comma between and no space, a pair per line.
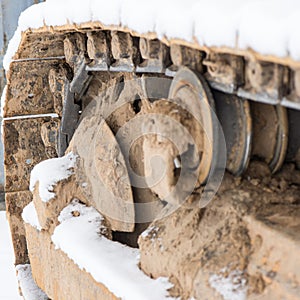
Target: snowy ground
8,280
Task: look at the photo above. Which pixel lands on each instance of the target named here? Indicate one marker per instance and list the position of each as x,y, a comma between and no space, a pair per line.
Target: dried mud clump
246,239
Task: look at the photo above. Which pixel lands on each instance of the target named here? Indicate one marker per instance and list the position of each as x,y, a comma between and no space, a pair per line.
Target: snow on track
111,263
28,286
231,286
30,216
102,257
266,26
48,172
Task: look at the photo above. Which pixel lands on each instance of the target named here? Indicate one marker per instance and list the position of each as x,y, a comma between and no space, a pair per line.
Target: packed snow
8,280
266,26
29,216
29,288
49,172
150,229
2,103
152,233
102,257
232,286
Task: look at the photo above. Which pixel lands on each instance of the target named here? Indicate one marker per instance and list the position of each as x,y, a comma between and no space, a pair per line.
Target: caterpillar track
202,110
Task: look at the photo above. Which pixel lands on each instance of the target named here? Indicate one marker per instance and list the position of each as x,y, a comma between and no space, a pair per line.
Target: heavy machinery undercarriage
118,100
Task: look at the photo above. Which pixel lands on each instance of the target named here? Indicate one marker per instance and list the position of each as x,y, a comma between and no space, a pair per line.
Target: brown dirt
249,226
24,148
15,202
28,90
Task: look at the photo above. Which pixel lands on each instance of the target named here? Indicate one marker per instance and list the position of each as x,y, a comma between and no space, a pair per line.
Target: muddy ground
245,243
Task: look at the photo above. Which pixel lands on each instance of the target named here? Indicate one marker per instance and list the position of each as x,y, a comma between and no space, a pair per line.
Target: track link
245,91
51,89
237,79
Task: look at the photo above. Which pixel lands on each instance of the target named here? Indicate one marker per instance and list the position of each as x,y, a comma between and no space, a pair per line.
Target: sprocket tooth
75,53
225,72
292,99
122,48
184,56
98,51
264,82
57,79
155,55
65,105
74,49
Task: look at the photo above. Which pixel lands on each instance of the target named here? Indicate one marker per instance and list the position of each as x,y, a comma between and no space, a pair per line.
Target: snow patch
110,263
30,216
81,210
8,280
2,103
231,286
28,286
108,13
151,230
3,97
152,233
266,26
49,172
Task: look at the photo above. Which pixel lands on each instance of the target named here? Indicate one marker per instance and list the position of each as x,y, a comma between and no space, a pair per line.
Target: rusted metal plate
102,172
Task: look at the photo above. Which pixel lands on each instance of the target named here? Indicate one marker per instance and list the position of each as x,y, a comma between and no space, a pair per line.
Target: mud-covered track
53,73
237,78
55,77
